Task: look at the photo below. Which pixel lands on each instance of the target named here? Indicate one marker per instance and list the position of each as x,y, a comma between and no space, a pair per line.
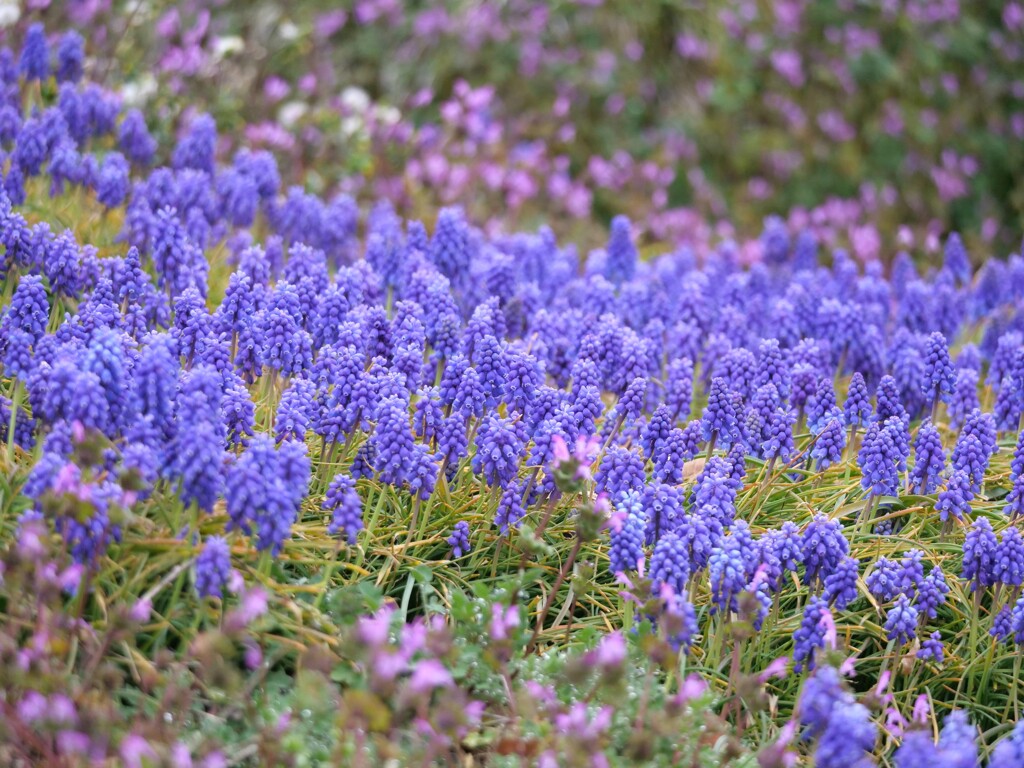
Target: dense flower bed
284,483
685,116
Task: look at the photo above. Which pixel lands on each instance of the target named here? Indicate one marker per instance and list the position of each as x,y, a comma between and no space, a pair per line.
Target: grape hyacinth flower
213,567
811,633
879,460
840,588
499,447
884,580
343,501
510,508
822,408
828,448
932,592
1008,565
979,555
857,408
625,552
901,621
964,398
939,380
670,564
932,648
955,500
1009,752
823,546
1015,498
929,460
459,540
34,63
720,421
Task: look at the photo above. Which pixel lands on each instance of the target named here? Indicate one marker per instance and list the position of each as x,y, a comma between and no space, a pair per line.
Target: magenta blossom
504,620
428,675
584,452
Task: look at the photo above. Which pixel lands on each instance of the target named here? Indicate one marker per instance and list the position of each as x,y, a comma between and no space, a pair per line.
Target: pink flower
275,89
180,756
829,625
559,450
847,667
692,687
141,611
503,621
253,656
136,751
329,23
790,66
252,605
611,651
32,707
428,675
895,723
30,540
778,668
374,630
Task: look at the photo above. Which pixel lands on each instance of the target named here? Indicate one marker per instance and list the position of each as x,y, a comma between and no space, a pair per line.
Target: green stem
562,573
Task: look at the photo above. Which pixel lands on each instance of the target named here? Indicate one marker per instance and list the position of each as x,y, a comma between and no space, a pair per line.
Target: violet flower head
34,62
828,448
857,408
70,57
929,460
134,139
1008,565
510,509
459,540
346,507
1009,752
1015,498
822,408
810,635
939,380
901,621
823,546
213,567
879,458
625,552
840,588
932,648
670,563
720,422
956,259
979,555
620,470
393,441
622,257
884,579
499,449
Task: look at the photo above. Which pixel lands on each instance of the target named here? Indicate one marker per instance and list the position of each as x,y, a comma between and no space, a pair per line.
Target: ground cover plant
692,118
289,480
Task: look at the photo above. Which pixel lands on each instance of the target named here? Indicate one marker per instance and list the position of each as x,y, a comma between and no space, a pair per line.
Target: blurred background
886,123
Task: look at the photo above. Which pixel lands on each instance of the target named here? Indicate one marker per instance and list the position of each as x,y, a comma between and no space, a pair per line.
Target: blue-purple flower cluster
416,356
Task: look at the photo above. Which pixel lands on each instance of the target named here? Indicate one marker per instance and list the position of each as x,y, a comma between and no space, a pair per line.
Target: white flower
291,113
10,12
355,99
225,46
137,93
388,115
289,31
350,126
